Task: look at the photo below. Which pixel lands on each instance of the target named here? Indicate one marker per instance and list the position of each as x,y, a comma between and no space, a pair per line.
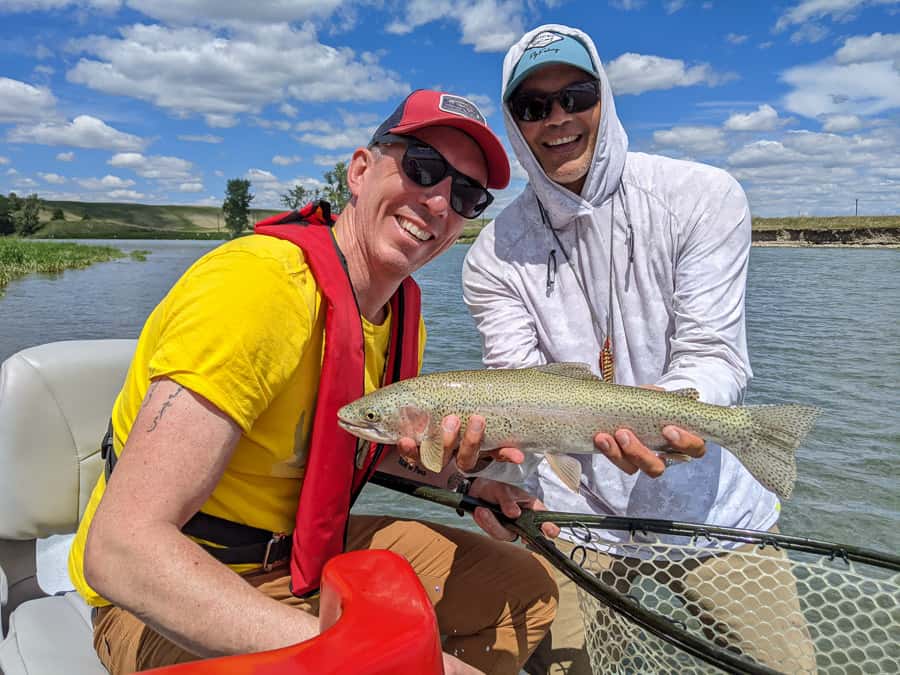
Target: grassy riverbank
86,220
19,257
101,220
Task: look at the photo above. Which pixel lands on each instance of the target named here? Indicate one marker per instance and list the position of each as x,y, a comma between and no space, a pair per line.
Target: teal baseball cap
550,47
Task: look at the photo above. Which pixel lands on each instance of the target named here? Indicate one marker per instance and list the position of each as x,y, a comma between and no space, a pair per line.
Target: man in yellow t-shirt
215,417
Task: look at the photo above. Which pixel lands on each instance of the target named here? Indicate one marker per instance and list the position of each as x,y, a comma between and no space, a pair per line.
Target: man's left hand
629,454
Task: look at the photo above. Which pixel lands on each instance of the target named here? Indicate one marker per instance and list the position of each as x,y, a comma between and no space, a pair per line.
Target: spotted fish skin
556,410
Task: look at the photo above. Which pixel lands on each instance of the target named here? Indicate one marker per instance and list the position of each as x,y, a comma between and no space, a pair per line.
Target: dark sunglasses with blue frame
425,166
529,106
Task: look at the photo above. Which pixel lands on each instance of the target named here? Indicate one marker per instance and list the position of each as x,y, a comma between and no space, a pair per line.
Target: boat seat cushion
55,403
49,636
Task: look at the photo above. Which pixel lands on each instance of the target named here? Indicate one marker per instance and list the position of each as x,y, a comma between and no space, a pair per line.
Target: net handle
529,530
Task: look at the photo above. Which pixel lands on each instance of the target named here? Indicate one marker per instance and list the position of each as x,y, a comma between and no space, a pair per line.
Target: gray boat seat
55,402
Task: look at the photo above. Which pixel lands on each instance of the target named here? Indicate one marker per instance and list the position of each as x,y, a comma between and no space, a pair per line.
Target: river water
823,328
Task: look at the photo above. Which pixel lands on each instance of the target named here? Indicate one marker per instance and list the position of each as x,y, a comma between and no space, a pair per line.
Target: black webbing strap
243,544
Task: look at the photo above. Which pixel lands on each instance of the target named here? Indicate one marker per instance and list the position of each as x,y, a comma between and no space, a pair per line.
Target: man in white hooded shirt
635,264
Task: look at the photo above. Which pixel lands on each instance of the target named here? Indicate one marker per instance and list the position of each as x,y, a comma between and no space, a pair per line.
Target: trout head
386,415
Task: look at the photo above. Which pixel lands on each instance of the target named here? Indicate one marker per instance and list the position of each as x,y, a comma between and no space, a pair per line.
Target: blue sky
162,101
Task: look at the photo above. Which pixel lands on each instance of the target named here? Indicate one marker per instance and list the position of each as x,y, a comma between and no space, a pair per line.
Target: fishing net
661,596
766,603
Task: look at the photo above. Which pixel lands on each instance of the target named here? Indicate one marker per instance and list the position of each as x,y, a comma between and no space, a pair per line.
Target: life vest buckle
277,538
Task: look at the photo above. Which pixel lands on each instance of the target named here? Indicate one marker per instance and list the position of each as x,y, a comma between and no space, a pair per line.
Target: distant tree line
236,206
21,216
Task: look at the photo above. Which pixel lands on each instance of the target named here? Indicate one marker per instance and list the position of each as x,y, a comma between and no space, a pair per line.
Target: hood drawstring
551,271
605,359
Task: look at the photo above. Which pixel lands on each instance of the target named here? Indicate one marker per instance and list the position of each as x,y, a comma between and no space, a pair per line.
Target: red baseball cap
428,108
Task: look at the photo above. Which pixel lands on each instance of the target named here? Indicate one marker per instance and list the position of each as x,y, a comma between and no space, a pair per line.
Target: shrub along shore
20,256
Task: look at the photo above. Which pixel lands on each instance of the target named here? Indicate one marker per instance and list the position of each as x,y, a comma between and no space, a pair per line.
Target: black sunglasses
425,166
575,98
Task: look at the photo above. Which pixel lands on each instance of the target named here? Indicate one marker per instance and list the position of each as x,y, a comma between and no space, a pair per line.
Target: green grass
826,223
106,229
86,220
19,257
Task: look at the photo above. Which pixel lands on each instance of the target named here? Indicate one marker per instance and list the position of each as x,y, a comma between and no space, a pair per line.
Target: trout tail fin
776,432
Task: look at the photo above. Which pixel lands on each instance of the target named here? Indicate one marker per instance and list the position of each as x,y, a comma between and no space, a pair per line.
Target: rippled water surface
823,328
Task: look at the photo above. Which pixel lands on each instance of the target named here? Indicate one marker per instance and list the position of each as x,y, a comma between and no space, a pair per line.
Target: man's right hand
511,500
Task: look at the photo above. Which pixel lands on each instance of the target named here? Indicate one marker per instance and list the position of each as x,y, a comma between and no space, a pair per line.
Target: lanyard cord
606,362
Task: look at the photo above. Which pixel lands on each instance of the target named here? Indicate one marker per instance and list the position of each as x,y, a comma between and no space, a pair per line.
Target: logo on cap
457,105
544,39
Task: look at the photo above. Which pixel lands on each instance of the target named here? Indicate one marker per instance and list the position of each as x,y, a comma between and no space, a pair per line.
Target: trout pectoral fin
431,452
567,468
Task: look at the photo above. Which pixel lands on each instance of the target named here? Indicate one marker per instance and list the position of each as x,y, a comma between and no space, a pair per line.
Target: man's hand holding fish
465,450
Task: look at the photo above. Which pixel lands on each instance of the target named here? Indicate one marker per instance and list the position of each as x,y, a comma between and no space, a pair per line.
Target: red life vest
333,475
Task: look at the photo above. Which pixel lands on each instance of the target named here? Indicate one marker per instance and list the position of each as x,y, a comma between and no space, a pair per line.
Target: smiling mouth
563,142
416,232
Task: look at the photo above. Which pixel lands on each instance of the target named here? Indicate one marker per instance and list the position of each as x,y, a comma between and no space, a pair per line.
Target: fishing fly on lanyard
605,358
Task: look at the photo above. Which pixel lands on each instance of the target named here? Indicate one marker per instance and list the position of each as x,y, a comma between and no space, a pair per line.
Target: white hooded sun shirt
680,246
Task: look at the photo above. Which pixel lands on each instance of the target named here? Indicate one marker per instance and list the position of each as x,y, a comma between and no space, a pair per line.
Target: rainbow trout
556,409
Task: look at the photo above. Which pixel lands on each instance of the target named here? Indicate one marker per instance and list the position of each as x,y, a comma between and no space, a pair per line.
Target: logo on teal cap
550,47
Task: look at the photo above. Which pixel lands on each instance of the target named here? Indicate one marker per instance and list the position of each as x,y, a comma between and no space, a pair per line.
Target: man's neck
372,293
575,187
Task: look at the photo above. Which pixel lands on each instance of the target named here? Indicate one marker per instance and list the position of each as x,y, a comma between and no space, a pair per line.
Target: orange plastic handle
375,619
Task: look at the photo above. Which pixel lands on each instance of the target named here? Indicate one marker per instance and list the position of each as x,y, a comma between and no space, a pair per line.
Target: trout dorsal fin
573,369
688,392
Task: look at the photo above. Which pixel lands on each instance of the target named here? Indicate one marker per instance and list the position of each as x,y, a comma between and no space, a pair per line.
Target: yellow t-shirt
244,328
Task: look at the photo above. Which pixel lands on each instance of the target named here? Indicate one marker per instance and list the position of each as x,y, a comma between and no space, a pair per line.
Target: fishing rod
844,572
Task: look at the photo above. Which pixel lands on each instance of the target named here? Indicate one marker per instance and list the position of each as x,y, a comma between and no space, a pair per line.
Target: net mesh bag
772,608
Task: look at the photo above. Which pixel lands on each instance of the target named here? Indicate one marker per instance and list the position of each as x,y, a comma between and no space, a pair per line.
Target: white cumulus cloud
487,25
83,132
200,138
22,102
692,139
637,73
286,160
52,178
154,167
827,88
874,47
764,118
837,10
840,123
201,71
763,153
65,156
108,182
234,11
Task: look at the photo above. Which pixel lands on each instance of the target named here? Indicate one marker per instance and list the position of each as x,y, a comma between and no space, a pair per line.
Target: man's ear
362,161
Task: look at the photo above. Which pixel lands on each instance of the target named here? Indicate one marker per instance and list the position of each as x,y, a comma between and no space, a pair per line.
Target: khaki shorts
494,601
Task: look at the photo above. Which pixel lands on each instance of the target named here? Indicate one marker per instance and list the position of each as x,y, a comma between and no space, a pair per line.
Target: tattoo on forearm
162,410
409,466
